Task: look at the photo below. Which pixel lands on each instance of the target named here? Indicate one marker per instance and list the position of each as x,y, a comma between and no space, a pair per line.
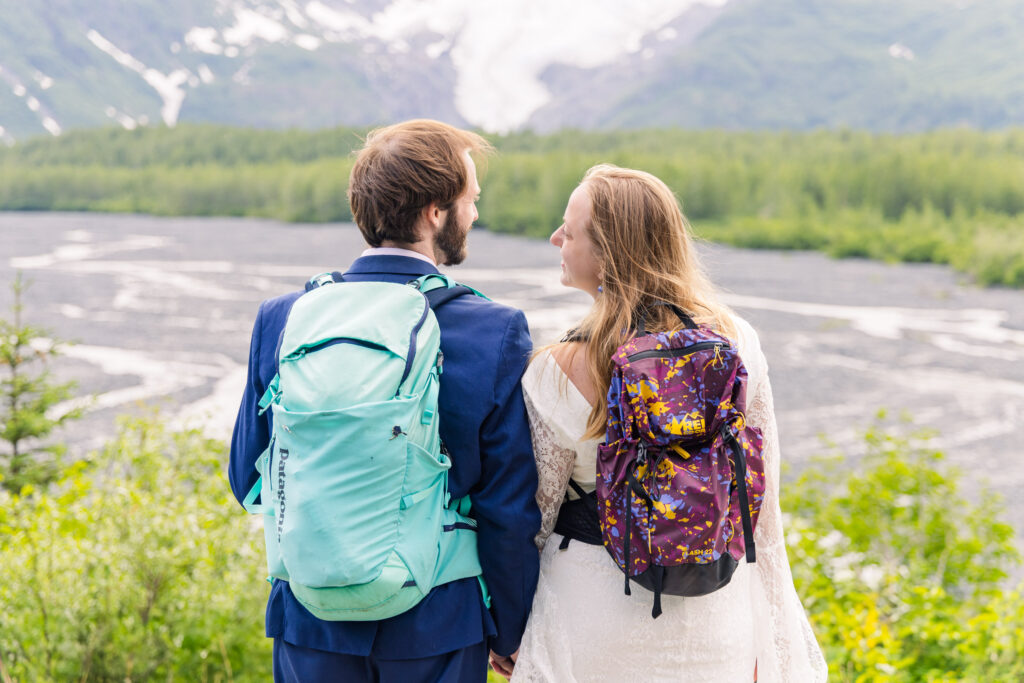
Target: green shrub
28,395
995,252
139,566
901,574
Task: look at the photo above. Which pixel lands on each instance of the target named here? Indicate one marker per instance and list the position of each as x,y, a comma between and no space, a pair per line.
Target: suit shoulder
273,313
280,304
488,306
488,313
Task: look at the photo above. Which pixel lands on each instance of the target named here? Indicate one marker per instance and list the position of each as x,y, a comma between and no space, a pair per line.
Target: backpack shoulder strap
439,289
315,282
573,336
323,279
439,297
684,317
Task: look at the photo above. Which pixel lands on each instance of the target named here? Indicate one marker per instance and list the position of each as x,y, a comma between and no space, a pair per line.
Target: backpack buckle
422,281
322,279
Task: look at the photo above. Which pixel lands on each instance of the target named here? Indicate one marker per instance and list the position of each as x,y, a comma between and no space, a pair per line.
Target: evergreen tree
26,396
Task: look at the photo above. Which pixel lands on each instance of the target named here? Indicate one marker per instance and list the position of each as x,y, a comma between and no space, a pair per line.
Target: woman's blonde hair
646,255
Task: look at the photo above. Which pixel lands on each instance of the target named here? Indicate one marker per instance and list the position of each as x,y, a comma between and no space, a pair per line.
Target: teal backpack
353,487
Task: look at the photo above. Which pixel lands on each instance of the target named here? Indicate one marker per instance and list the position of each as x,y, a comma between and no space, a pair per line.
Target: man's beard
450,244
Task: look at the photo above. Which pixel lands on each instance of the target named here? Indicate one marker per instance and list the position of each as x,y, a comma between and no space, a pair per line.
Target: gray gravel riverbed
161,310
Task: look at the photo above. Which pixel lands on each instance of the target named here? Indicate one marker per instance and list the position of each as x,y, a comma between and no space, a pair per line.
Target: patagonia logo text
283,456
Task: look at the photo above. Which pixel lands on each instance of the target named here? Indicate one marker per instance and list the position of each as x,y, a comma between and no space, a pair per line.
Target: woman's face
580,268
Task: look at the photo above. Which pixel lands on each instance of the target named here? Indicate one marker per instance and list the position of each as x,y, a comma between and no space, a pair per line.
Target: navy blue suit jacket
483,423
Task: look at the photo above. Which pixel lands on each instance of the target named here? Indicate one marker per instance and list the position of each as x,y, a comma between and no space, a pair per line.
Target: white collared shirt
396,251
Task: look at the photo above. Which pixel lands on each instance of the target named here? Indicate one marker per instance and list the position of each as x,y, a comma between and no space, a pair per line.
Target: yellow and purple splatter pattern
668,468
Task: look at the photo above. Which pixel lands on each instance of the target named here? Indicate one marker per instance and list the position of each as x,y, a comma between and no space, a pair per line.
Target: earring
600,289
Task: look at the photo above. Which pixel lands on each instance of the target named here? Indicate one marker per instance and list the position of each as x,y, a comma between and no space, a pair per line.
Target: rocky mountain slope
500,66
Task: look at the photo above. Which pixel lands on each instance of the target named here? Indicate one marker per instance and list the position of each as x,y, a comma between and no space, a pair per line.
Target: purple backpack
680,477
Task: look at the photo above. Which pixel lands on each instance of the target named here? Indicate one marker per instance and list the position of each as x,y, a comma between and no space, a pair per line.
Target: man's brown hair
402,169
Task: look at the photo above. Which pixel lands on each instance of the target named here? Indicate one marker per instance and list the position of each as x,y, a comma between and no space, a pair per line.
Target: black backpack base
578,521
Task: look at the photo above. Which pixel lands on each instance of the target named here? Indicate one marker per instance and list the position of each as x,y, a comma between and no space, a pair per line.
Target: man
413,192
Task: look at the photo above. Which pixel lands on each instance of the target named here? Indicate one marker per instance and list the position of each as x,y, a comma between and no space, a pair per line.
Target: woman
625,242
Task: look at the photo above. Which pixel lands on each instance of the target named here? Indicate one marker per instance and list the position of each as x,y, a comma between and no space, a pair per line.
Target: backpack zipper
674,353
411,354
299,353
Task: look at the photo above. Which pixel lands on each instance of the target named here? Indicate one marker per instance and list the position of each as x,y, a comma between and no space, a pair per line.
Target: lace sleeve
554,467
787,648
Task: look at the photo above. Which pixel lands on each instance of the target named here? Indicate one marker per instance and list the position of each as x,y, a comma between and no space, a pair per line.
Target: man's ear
432,216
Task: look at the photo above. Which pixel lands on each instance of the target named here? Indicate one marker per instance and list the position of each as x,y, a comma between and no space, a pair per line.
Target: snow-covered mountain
499,65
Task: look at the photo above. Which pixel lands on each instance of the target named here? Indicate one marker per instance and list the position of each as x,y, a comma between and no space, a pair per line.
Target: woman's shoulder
554,397
540,370
565,353
749,345
544,368
745,335
571,360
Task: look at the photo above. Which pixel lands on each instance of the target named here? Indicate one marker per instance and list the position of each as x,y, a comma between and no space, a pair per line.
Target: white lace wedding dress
584,629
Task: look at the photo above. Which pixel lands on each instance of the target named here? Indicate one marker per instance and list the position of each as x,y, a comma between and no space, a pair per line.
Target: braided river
160,311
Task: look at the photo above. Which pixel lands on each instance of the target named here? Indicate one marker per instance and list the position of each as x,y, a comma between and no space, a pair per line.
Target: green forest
950,196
